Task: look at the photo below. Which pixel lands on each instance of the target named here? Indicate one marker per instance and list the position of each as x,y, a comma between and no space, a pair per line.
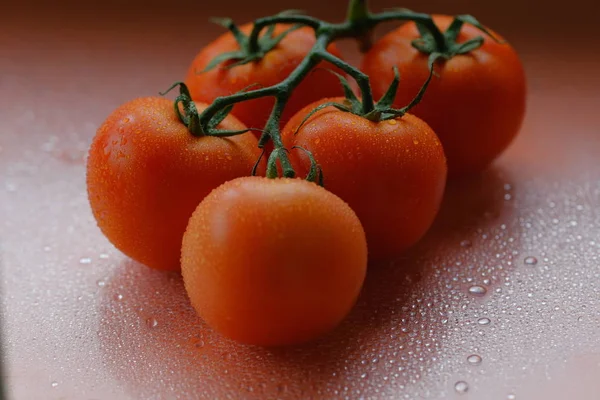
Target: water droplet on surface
392,122
415,141
530,260
364,375
119,297
507,196
461,387
317,140
484,321
85,260
100,283
150,322
103,256
54,384
466,243
511,397
477,290
474,359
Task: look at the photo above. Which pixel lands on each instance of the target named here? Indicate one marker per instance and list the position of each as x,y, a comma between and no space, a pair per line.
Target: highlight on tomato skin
273,261
276,65
392,173
146,173
476,104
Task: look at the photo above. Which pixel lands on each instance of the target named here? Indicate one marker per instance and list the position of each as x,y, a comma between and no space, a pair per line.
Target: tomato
272,69
146,173
476,105
392,173
273,261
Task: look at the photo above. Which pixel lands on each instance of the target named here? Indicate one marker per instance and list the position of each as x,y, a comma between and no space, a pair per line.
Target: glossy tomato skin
146,174
273,261
391,173
477,104
272,69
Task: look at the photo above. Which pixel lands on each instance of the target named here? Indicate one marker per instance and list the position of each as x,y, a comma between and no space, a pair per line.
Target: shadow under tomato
158,347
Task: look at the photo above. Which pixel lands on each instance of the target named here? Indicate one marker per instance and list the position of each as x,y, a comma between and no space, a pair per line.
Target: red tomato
272,69
146,173
477,104
391,173
273,261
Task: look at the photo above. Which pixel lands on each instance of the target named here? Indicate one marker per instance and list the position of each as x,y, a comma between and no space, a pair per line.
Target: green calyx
444,45
187,112
382,110
250,50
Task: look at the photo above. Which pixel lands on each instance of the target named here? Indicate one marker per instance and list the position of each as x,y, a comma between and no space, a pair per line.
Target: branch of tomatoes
359,25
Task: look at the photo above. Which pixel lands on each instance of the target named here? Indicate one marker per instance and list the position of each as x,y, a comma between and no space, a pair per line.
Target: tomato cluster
269,260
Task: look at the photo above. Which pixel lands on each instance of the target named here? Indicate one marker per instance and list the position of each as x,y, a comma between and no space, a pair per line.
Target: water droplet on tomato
85,260
466,243
100,283
151,323
484,321
54,384
103,256
317,140
392,122
415,141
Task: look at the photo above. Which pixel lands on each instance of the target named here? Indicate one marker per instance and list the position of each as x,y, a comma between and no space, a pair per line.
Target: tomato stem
358,25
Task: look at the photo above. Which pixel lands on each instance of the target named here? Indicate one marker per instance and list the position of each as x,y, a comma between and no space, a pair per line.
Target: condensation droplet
100,283
477,290
364,375
531,260
461,387
474,359
103,256
54,384
392,122
85,260
119,297
507,196
511,397
484,321
415,141
317,140
466,243
150,322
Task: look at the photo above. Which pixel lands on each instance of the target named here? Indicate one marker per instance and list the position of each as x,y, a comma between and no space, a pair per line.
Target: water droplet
461,387
392,122
119,297
484,321
507,196
100,283
229,158
477,290
103,256
474,359
364,375
507,186
54,384
126,120
317,140
466,243
415,141
150,322
511,397
85,260
530,260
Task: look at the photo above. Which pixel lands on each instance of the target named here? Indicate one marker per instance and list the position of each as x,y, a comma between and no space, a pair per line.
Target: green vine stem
359,25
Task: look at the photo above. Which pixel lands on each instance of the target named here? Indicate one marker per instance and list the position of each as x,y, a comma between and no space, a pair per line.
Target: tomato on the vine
476,104
392,173
271,69
273,261
146,173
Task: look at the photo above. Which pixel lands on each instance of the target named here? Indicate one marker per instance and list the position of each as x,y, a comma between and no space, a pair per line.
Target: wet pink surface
509,273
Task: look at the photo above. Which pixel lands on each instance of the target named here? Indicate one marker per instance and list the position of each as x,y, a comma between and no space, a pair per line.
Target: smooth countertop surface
501,300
